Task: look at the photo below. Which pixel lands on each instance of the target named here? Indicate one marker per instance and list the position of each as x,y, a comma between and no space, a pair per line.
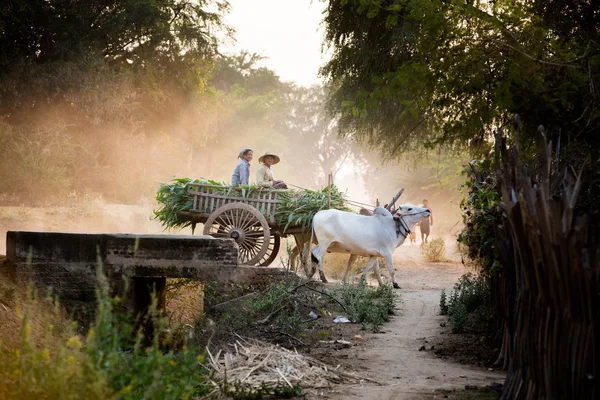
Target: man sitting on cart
264,176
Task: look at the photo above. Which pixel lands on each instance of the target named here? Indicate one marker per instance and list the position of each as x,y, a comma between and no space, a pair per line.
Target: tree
414,72
167,44
312,135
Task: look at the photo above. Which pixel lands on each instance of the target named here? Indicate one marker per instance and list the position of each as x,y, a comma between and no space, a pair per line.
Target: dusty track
393,357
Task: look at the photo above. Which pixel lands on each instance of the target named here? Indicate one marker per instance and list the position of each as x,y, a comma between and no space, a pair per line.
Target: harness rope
400,223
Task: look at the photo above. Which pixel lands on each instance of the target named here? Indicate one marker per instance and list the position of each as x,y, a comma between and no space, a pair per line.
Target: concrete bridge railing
68,263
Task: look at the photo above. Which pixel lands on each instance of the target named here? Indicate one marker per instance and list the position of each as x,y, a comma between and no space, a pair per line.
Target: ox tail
312,235
313,258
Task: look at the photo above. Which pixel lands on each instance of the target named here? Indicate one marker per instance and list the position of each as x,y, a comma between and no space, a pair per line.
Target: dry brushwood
252,365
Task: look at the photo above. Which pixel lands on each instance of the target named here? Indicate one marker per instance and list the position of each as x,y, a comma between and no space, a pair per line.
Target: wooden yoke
390,205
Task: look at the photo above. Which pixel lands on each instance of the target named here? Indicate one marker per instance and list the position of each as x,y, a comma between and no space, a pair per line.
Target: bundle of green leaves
174,197
298,207
295,208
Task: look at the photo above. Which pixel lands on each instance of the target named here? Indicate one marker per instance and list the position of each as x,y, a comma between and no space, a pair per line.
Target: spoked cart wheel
272,251
248,227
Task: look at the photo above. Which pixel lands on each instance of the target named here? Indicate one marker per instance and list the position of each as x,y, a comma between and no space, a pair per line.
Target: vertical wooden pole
376,202
329,179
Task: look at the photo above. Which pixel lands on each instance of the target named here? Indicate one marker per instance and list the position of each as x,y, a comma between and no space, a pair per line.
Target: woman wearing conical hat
264,175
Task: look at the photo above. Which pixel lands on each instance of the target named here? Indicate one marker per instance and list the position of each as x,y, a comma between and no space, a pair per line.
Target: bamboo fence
550,281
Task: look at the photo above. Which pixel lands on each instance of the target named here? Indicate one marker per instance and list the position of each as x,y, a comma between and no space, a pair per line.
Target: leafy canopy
414,72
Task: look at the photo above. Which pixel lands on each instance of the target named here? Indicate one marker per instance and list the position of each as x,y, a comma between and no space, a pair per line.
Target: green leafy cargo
296,208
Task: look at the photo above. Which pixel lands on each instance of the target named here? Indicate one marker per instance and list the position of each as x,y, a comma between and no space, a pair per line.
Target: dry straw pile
253,365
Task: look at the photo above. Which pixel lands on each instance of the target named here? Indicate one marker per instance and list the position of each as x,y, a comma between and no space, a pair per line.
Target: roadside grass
470,318
49,359
47,322
371,306
286,312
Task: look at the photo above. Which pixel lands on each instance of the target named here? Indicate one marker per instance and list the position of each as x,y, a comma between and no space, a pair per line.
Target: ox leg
390,267
370,264
351,261
378,271
318,253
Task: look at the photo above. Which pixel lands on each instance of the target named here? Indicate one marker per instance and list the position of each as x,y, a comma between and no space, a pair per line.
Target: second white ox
359,235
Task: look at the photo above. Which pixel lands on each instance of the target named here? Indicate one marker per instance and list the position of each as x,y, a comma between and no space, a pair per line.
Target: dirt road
393,358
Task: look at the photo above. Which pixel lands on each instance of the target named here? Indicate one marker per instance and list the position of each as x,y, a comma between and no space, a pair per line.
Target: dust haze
94,164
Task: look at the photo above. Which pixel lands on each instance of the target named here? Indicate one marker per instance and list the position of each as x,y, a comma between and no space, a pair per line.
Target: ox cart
250,221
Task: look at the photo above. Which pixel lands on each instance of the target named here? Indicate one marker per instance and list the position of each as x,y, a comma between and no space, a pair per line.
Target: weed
112,361
367,305
468,305
443,303
281,309
435,250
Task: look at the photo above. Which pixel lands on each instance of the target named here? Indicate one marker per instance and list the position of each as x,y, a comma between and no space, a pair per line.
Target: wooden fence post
329,182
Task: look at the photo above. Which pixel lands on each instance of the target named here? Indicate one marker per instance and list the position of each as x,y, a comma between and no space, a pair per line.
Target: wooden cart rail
208,198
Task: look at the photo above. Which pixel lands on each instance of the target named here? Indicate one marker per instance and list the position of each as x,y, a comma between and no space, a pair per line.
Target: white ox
359,235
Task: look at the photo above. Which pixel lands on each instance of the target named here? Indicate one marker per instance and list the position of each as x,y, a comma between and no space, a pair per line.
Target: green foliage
367,305
481,214
297,208
468,306
169,39
114,361
435,250
37,163
443,303
277,307
411,72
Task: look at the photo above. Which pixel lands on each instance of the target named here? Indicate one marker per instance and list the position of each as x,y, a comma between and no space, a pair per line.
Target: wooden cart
249,221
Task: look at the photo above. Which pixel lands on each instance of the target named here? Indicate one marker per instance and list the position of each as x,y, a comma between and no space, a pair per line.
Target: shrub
367,305
113,361
481,213
435,250
468,306
443,303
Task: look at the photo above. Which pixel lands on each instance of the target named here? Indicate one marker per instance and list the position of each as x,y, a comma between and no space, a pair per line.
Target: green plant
443,303
458,318
435,250
468,306
297,208
276,308
481,213
367,305
114,360
173,198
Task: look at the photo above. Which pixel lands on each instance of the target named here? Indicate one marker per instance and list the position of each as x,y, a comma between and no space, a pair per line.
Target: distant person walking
241,173
264,175
426,223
